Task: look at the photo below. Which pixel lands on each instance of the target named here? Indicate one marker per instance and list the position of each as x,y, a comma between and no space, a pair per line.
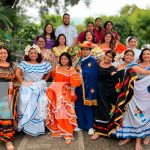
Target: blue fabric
89,72
132,64
84,115
44,67
32,106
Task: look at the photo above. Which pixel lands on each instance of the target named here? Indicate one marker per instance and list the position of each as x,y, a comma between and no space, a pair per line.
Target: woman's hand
27,83
112,73
78,68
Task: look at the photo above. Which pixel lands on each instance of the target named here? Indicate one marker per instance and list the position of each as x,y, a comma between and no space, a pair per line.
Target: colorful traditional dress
61,119
136,120
86,93
32,99
106,99
58,52
7,110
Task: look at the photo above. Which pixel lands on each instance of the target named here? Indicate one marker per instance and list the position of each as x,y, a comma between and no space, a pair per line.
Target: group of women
101,93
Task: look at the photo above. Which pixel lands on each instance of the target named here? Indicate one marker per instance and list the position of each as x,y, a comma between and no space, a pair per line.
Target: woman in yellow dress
60,46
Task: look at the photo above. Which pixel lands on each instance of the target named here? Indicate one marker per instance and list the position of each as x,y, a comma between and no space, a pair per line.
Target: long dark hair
93,36
52,34
141,55
9,58
69,59
112,41
57,40
105,24
112,53
39,59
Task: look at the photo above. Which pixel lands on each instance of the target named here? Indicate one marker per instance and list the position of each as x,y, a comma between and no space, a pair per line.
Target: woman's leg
9,146
146,140
123,142
138,145
95,136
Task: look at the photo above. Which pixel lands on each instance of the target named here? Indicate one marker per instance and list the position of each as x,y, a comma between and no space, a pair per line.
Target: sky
96,8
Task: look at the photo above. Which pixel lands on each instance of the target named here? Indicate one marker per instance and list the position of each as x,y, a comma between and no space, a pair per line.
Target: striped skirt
7,126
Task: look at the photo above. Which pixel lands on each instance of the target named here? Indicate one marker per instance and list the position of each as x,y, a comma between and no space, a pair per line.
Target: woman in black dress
106,95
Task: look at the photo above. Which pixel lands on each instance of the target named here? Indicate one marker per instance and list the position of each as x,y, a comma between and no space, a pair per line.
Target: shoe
91,131
77,129
9,146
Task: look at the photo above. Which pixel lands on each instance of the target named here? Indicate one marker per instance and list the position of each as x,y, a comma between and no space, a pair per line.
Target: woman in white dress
32,74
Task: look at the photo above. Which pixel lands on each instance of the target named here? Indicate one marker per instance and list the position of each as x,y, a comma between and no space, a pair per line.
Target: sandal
123,142
55,135
9,146
95,137
68,141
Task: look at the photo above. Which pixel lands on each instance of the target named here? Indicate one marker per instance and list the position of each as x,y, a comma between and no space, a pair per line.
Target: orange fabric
105,47
7,131
120,48
61,118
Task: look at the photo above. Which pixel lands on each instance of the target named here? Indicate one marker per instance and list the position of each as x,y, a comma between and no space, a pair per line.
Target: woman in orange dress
61,120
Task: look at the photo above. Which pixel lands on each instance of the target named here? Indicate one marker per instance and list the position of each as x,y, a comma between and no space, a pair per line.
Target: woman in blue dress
32,74
136,120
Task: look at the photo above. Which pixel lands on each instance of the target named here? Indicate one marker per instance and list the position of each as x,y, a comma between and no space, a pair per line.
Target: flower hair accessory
86,44
27,49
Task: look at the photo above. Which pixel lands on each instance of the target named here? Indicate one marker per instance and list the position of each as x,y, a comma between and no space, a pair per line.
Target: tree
55,20
89,19
5,16
57,4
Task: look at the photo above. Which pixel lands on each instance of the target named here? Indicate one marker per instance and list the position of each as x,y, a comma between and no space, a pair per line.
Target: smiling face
129,57
133,43
146,56
90,27
3,54
85,52
107,38
108,58
41,43
49,29
64,61
33,55
89,36
62,40
109,26
66,19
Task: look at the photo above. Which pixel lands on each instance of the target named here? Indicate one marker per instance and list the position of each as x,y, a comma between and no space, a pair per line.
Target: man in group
89,27
68,30
98,27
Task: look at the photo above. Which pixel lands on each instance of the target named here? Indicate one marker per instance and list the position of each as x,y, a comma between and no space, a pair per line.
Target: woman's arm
141,71
19,75
47,76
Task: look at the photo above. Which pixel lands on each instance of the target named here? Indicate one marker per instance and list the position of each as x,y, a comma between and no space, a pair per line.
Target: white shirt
137,53
69,31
